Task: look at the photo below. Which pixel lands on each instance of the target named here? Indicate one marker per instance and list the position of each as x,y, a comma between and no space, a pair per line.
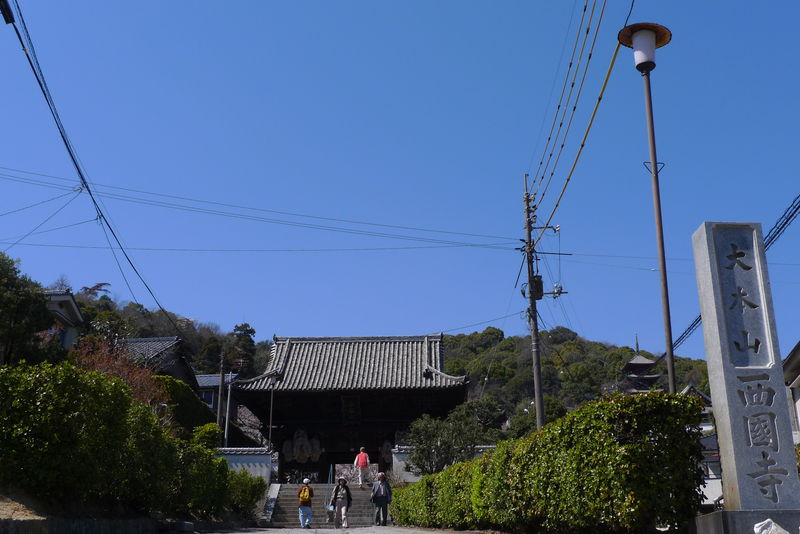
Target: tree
438,443
524,421
23,314
243,350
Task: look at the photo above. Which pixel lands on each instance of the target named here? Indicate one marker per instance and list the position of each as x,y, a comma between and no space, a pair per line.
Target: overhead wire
553,85
30,53
561,97
67,203
36,204
270,220
582,145
264,210
72,225
577,98
236,250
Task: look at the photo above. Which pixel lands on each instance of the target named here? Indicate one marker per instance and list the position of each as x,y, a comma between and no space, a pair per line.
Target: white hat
306,481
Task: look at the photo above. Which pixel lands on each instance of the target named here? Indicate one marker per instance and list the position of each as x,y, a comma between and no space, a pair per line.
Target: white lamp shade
644,50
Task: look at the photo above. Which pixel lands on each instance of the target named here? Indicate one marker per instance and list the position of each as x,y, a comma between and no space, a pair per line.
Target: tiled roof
145,349
355,363
241,451
55,292
212,381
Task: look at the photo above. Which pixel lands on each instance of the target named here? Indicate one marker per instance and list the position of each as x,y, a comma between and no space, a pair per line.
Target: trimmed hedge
621,464
73,438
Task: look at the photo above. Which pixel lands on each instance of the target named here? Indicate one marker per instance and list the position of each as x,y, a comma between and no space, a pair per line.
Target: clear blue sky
416,114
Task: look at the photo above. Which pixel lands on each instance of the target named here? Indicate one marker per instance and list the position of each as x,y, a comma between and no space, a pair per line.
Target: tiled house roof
354,363
212,381
148,350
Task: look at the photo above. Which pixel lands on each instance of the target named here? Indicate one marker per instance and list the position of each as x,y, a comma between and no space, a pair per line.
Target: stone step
285,514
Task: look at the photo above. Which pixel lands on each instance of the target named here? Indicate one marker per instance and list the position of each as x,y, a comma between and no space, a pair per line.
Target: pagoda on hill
639,377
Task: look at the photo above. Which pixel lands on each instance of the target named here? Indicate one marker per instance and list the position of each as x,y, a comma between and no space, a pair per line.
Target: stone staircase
361,513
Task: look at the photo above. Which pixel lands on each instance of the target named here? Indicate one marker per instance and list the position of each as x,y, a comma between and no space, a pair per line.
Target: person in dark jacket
381,498
341,499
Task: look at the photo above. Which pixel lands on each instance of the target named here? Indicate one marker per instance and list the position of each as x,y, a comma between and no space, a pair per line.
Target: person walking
341,501
305,494
381,498
362,464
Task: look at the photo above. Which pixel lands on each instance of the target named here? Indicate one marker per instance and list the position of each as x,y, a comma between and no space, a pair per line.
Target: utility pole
221,387
535,292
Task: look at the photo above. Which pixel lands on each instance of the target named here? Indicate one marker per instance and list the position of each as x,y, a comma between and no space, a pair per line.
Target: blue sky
409,114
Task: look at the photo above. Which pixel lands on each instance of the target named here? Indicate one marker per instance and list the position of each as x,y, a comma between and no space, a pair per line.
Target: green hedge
622,464
72,438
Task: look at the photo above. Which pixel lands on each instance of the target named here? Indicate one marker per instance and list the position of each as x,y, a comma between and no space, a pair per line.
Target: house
208,391
321,398
791,378
67,317
163,355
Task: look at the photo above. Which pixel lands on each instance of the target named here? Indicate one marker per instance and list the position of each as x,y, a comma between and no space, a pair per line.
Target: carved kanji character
744,347
735,258
739,300
757,395
761,430
768,477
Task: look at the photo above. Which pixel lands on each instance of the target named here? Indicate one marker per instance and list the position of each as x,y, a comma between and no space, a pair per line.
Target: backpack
305,495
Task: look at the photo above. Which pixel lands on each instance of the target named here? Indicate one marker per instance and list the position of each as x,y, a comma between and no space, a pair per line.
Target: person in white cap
305,494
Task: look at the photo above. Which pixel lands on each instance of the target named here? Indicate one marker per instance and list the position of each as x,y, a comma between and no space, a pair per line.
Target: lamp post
644,38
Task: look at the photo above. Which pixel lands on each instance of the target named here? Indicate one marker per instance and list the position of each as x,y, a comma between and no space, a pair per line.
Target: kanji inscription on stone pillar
759,471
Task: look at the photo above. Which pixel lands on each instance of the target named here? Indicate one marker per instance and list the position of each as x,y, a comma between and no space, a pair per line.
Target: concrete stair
361,513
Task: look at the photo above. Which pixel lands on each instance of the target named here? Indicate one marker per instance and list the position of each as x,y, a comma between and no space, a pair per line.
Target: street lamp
644,38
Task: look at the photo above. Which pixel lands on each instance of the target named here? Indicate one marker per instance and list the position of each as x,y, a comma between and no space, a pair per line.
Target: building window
208,397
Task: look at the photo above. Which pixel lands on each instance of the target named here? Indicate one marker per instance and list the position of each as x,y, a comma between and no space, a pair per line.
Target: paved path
361,530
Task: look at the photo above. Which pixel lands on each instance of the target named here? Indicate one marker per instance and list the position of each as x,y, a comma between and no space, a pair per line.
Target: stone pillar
759,471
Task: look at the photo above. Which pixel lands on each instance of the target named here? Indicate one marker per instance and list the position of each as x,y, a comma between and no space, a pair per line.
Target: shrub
202,477
61,432
151,464
245,492
413,504
623,464
452,502
72,437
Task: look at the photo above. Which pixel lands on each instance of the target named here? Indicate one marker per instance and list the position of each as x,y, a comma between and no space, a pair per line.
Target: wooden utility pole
221,387
535,292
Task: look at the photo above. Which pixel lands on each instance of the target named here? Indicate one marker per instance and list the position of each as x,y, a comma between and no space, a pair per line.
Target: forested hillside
202,343
574,369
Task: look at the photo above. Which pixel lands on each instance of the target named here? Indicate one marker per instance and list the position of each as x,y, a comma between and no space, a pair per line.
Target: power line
553,85
577,98
563,90
483,322
35,204
30,53
242,250
49,230
67,203
583,143
263,210
270,220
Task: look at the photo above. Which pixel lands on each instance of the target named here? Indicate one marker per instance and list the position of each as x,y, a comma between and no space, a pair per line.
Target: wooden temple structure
322,398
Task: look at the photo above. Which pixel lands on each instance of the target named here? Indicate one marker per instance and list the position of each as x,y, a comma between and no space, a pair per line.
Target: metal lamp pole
644,38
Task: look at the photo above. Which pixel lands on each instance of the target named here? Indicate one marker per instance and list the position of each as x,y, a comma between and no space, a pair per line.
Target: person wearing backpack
305,494
362,464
